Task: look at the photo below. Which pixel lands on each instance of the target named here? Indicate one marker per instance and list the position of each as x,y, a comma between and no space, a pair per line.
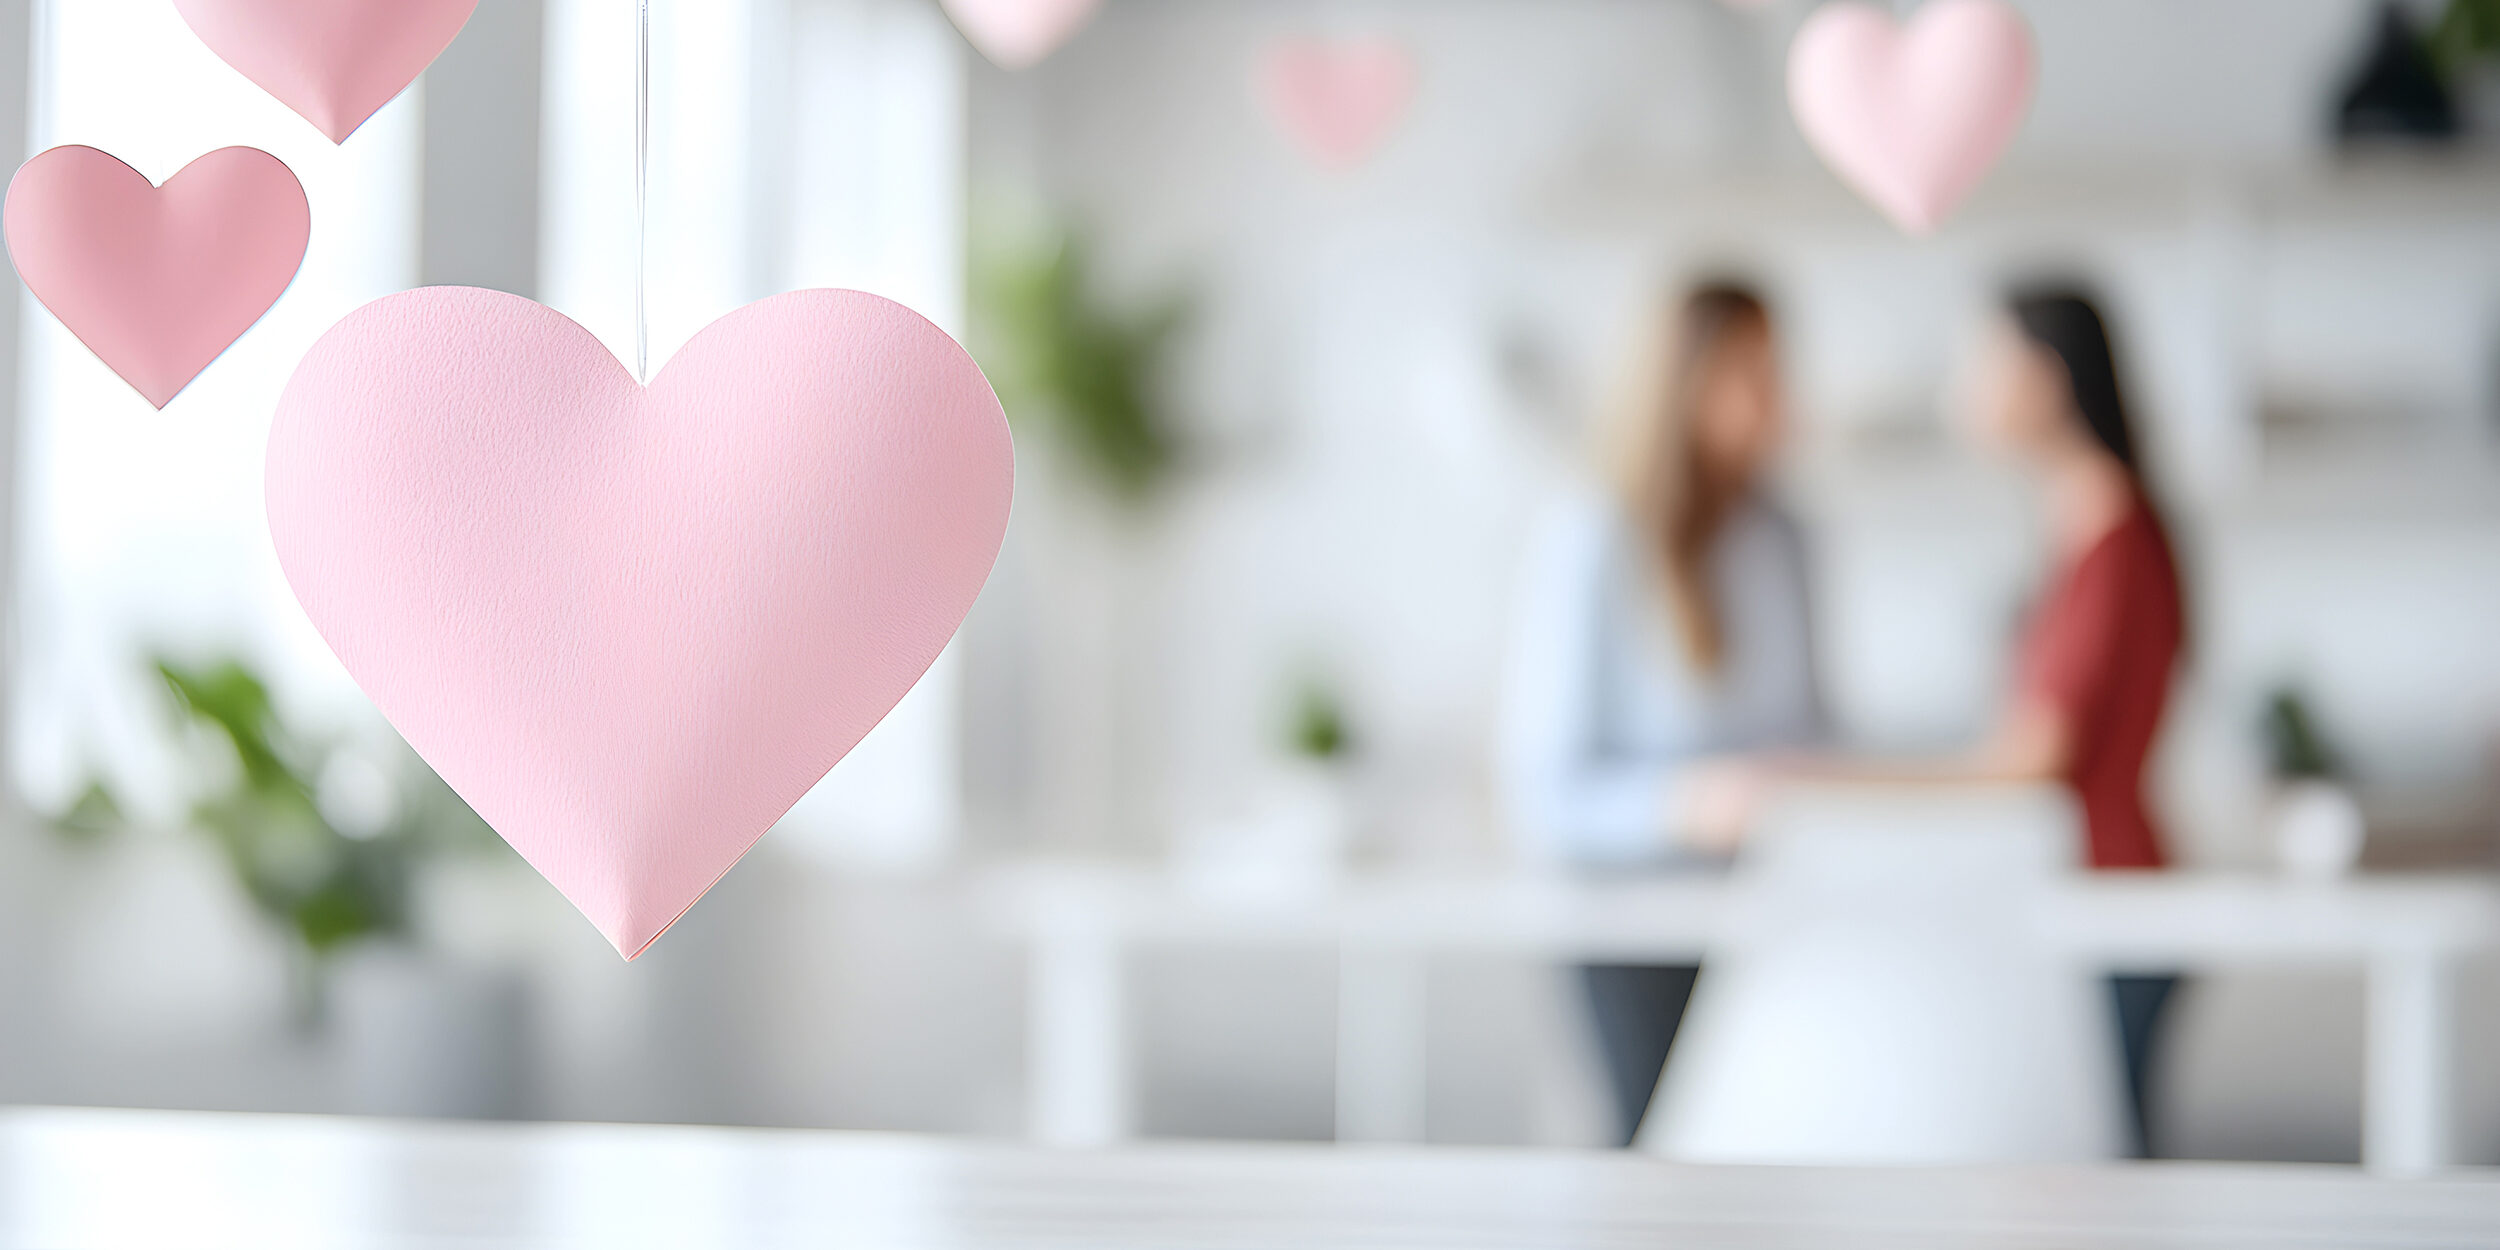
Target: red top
2099,649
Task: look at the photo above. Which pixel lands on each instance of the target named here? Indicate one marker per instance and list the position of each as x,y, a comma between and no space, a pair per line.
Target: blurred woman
2096,659
1665,628
2094,665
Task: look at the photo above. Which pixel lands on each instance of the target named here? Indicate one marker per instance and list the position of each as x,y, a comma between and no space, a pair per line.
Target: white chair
1883,997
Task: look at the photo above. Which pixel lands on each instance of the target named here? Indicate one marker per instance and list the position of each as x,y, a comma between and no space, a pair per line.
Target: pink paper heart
337,62
1338,100
1912,117
633,626
1016,34
157,281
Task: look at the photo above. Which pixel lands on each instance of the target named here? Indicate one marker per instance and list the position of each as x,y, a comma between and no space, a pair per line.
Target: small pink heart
632,626
157,281
1017,34
337,62
1339,100
1913,118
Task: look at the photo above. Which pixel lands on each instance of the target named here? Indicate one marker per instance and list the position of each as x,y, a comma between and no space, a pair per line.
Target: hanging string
642,194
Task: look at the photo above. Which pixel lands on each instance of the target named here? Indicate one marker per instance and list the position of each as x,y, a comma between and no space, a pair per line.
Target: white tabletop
72,1180
2408,932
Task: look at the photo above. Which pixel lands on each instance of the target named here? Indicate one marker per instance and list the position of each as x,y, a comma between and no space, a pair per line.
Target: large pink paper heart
633,626
1017,34
157,281
1338,100
1912,117
337,62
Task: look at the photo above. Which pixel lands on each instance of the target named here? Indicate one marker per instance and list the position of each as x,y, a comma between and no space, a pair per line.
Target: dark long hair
2068,323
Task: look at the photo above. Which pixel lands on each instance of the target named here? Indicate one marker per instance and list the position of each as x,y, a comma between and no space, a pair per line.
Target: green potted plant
1084,377
327,875
1068,364
1294,835
326,842
2315,822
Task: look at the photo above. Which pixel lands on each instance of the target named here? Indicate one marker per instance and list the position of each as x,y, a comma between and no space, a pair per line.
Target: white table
109,1180
2408,934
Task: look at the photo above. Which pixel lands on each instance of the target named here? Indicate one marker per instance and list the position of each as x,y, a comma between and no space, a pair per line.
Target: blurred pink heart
1016,34
337,62
1912,117
157,281
632,626
1338,100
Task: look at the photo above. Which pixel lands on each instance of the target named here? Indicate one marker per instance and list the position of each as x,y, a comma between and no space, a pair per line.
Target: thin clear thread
642,194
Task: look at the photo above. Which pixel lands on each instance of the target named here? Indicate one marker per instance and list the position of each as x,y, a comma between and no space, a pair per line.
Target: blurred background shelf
2390,191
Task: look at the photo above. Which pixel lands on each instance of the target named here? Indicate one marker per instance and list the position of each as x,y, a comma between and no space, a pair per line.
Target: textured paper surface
157,281
336,62
1339,101
1912,117
632,627
1018,34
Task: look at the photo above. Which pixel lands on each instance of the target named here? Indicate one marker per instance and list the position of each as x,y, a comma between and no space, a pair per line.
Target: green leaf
92,817
2469,31
297,868
1319,728
1082,373
2299,750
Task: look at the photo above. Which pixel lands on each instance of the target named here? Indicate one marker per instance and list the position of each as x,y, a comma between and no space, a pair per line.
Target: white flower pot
2318,830
1294,841
423,1035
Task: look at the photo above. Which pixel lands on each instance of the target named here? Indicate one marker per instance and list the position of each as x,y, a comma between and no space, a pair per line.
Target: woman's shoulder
2140,540
2130,571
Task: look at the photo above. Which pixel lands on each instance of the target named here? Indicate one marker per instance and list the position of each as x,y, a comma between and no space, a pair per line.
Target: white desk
2407,933
106,1180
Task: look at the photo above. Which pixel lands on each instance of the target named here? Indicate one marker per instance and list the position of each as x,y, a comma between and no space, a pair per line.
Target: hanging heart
336,62
1018,34
1338,100
157,281
1912,117
632,626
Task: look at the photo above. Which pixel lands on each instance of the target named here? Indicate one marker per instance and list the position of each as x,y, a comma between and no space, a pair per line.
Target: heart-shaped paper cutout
337,62
157,281
632,626
1017,34
1912,117
1338,100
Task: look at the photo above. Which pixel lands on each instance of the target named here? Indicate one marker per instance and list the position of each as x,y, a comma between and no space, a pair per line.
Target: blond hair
1673,502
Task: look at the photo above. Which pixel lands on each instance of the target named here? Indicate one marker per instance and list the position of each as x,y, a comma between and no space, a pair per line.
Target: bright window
140,530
